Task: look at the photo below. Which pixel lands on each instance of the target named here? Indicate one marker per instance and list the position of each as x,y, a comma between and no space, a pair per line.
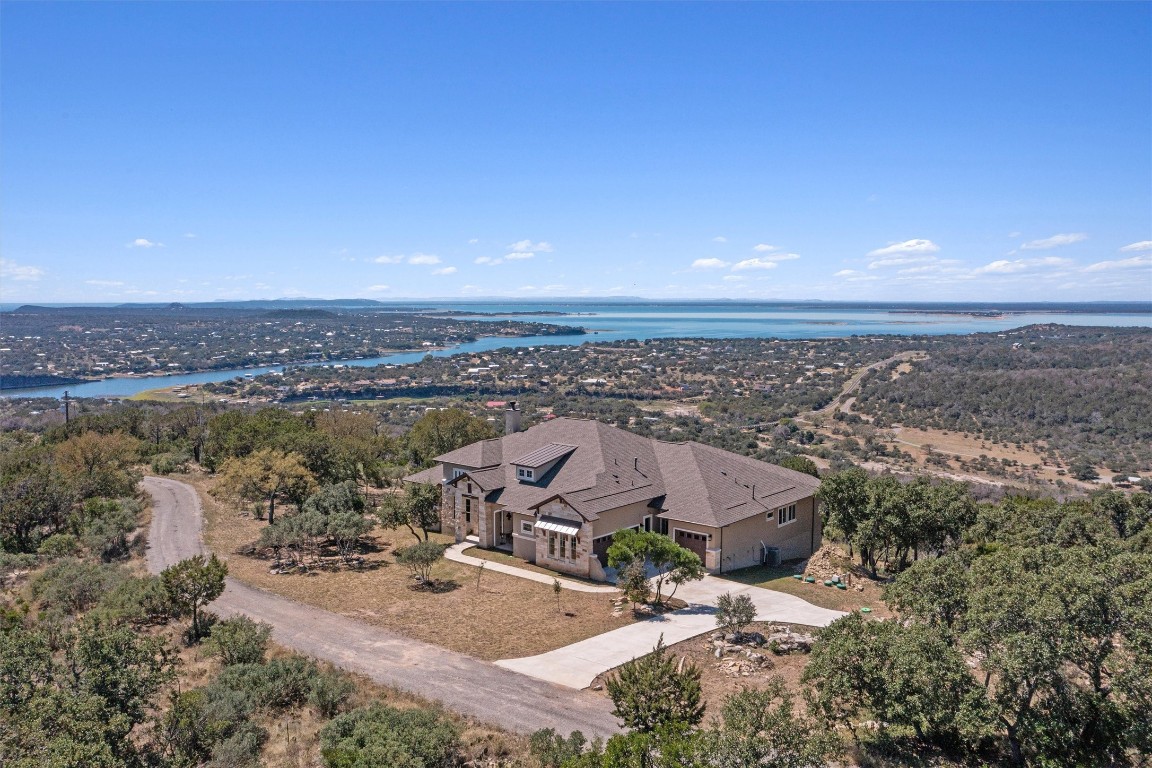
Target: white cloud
709,264
734,278
756,263
1143,245
473,241
1134,262
10,270
764,248
489,260
444,271
377,288
1005,267
847,273
519,255
1015,234
190,235
896,261
526,246
908,246
1054,241
104,283
143,242
415,258
719,239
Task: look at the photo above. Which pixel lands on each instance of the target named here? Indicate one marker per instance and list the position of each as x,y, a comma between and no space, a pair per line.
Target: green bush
139,601
167,463
379,736
107,527
239,641
331,690
73,585
241,749
277,685
58,545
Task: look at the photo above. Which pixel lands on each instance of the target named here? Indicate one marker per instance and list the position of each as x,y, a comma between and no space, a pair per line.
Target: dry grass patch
501,617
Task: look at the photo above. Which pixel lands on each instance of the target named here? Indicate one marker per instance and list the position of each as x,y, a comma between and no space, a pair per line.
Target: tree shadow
435,586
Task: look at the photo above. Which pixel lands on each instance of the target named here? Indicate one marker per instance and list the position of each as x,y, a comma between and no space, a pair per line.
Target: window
551,545
526,527
523,473
457,472
467,504
563,546
786,515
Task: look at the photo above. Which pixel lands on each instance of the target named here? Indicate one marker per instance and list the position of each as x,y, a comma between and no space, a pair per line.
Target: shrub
167,463
73,585
420,558
277,685
734,613
241,749
331,690
239,641
553,750
380,735
139,601
108,526
58,545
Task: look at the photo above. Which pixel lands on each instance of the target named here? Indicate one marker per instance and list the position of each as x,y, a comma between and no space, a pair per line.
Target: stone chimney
511,418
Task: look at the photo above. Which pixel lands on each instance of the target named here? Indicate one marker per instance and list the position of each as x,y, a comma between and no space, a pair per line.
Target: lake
612,321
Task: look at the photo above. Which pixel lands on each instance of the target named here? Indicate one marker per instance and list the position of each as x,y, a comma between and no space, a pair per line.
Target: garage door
697,542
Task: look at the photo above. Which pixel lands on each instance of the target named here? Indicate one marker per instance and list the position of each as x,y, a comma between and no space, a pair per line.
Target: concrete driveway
577,665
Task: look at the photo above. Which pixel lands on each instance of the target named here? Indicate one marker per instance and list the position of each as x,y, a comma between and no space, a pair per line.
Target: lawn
500,617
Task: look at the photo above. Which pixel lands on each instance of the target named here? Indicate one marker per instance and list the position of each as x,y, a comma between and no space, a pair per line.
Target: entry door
696,542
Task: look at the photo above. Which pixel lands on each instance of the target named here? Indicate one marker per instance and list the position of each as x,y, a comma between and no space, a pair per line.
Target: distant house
555,494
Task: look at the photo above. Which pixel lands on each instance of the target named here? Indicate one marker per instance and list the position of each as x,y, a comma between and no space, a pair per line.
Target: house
555,494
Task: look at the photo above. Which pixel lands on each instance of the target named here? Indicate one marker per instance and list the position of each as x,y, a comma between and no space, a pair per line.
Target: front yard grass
502,617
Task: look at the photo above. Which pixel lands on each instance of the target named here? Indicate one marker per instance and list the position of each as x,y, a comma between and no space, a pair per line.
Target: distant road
464,684
854,383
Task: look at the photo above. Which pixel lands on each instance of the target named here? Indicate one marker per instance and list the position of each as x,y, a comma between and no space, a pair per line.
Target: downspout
721,550
812,533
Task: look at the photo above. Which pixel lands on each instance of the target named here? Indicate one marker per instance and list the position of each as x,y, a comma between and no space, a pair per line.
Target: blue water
614,322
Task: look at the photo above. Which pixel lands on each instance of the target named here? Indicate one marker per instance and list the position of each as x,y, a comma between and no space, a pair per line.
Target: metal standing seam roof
557,524
543,455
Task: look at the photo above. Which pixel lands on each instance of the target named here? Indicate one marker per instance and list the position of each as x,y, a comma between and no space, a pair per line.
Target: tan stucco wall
741,542
622,517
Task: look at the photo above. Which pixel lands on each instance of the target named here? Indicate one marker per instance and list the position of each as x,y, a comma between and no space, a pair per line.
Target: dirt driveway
472,687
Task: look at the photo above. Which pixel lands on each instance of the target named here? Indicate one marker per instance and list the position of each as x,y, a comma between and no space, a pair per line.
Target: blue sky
927,151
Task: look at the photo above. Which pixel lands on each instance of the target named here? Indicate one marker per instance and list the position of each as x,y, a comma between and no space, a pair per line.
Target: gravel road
472,687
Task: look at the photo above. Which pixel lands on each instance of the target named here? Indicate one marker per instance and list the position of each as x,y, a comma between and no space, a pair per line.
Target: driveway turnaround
461,683
577,665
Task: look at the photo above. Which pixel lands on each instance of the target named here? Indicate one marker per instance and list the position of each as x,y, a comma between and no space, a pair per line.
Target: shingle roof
602,467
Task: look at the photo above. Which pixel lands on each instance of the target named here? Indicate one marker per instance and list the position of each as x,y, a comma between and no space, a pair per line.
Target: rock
756,638
597,687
